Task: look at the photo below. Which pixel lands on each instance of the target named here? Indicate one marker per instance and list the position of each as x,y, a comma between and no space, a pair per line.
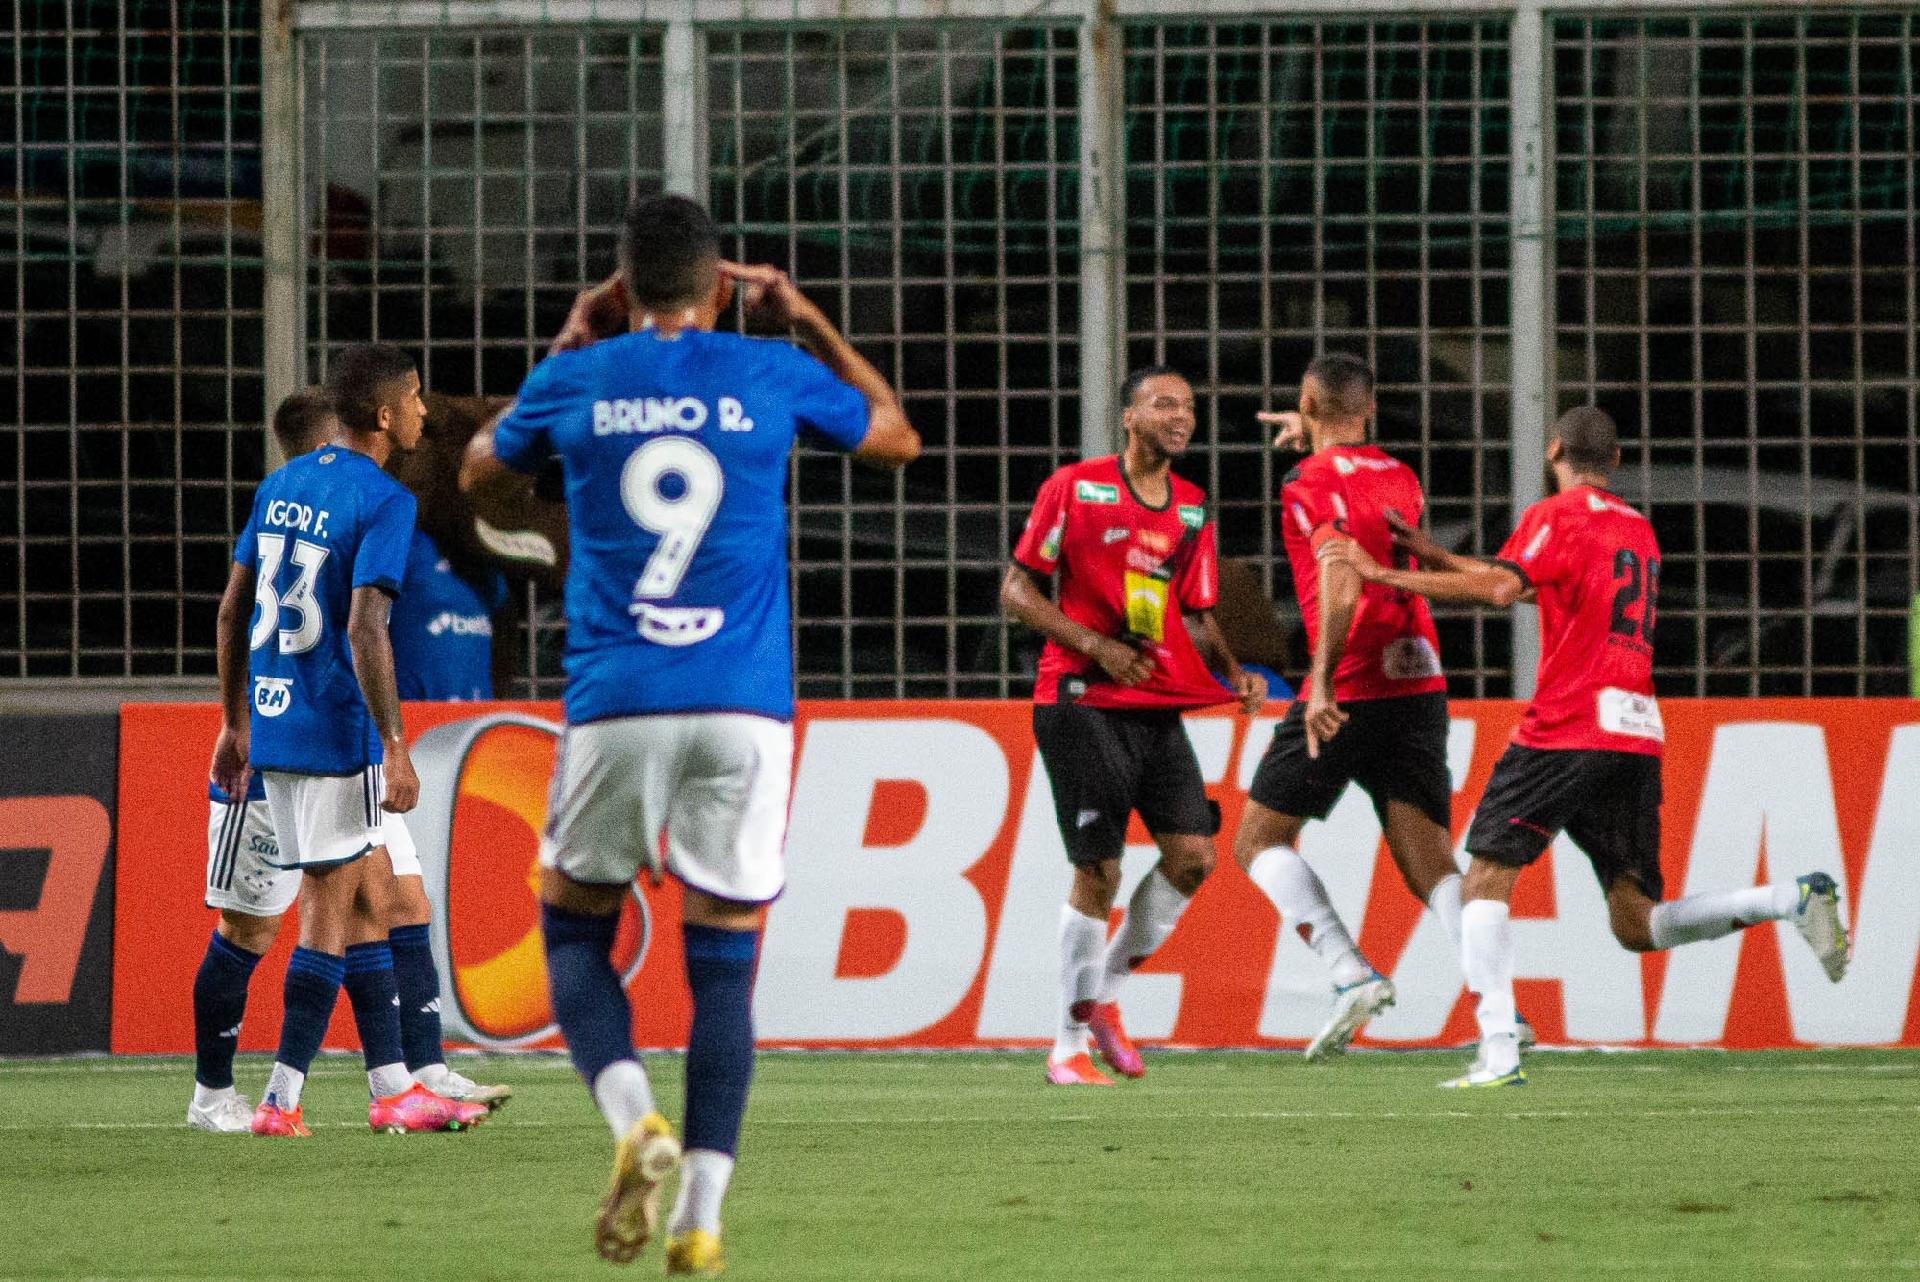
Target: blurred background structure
1702,217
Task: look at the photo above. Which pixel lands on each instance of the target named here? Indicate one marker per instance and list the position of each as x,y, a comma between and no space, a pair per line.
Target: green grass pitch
1674,1165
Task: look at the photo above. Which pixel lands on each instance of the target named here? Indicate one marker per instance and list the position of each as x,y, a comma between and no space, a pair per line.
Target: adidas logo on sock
431,1008
232,1032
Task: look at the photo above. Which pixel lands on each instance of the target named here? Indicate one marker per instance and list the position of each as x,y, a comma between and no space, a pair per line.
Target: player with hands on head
1373,708
1585,759
679,701
1137,564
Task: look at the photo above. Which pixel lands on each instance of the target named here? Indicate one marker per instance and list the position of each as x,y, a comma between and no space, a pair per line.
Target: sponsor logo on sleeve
1192,515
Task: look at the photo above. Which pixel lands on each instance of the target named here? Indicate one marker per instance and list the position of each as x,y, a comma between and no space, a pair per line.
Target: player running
679,698
1373,710
1586,756
1137,563
317,565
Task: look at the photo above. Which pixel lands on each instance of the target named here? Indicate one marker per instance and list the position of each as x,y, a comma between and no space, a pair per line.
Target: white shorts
715,782
242,861
326,820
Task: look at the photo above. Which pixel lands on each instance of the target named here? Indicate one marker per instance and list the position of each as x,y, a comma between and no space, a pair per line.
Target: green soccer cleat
1476,1078
1817,918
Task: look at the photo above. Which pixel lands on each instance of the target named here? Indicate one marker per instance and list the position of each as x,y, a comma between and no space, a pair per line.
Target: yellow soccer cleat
695,1254
647,1154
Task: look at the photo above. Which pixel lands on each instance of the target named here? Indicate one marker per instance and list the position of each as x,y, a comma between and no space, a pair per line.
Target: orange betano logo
75,831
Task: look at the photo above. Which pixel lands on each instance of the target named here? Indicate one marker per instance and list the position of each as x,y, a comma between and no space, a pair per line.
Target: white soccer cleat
228,1114
454,1086
1817,918
1483,1073
1353,1006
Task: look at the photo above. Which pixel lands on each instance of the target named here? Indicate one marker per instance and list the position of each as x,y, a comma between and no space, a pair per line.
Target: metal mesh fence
1736,261
460,188
921,182
130,314
1299,187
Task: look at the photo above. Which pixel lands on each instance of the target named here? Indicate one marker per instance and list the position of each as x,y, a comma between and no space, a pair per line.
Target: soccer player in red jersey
1131,643
1373,709
1586,756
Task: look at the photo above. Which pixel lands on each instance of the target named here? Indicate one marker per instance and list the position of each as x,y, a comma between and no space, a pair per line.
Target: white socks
1081,940
703,1185
1152,914
431,1075
623,1094
1714,913
1444,901
205,1097
1286,879
283,1086
388,1079
1486,956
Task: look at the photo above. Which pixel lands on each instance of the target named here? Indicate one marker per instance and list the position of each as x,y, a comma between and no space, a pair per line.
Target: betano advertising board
926,874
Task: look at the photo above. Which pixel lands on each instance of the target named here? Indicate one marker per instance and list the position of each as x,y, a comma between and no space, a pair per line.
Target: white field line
1069,1119
346,1063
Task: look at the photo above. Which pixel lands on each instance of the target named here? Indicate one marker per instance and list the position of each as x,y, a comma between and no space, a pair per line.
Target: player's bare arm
598,312
373,668
489,483
1290,429
771,297
229,771
1022,597
1339,598
1485,583
1249,689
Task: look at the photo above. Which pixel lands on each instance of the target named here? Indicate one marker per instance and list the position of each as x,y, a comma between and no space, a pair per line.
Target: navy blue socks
588,1003
720,1048
219,1003
376,1010
419,985
312,987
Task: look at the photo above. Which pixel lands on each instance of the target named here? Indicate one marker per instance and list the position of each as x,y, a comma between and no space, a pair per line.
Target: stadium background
1703,216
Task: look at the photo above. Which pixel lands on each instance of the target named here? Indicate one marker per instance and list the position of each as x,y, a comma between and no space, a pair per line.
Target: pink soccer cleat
1077,1071
419,1109
1110,1039
271,1119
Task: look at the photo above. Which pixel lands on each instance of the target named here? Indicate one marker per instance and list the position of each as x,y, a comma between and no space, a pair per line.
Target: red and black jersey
1594,566
1391,649
1127,571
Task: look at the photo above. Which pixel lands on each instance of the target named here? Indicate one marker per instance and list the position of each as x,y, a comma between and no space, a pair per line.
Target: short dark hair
359,379
1589,441
1130,388
668,248
303,421
1347,381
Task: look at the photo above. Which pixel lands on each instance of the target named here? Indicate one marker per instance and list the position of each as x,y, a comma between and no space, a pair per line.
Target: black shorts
1608,802
1105,763
1395,749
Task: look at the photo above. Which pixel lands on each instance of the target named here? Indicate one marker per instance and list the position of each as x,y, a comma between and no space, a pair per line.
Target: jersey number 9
307,558
681,520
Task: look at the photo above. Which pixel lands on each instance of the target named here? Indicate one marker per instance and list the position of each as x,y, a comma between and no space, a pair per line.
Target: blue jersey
442,628
675,455
256,790
325,524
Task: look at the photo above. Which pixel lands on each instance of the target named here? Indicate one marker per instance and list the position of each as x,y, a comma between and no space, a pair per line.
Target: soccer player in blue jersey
679,700
442,625
309,700
243,882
